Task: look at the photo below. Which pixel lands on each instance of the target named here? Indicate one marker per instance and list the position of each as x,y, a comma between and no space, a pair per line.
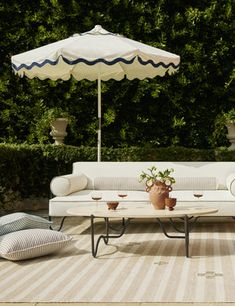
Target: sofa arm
66,184
230,183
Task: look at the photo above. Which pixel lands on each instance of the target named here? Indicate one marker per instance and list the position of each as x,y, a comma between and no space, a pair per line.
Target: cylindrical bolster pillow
66,184
230,183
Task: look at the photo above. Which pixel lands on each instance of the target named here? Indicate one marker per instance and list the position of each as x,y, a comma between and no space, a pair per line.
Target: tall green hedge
173,110
26,170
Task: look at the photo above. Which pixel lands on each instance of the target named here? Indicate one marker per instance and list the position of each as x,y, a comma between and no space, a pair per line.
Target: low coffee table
143,211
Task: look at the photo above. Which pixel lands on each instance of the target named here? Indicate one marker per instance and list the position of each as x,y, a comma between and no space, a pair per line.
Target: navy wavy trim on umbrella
156,65
29,67
90,63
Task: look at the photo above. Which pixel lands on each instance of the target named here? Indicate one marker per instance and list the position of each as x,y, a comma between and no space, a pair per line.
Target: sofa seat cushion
107,195
84,196
208,196
59,205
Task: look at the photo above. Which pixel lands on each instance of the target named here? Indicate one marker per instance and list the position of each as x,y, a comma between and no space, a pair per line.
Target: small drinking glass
198,194
96,196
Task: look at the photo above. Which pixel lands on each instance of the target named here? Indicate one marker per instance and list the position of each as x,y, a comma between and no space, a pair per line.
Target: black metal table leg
106,239
93,237
107,236
186,232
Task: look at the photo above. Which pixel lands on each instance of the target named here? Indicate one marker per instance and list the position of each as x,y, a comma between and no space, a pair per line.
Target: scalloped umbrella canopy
95,55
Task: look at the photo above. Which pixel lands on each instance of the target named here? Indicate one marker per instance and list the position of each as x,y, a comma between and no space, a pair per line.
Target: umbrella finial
98,28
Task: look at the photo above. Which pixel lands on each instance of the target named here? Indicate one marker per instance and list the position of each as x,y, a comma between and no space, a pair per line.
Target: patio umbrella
95,55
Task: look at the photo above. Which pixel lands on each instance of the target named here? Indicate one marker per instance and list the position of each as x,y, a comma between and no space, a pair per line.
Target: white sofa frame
223,197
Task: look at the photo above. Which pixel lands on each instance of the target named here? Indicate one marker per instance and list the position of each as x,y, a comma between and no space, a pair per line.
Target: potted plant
226,119
158,184
57,120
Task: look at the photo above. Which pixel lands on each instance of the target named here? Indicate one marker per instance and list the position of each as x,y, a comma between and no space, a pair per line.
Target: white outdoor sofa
216,179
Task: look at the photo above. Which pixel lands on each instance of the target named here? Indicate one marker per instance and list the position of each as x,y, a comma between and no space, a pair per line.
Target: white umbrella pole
99,123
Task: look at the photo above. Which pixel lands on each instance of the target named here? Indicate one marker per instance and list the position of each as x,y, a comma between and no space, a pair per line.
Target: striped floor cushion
31,243
19,221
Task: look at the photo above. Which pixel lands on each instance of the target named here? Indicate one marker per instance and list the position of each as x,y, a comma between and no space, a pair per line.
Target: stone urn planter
56,120
226,119
158,184
231,135
58,130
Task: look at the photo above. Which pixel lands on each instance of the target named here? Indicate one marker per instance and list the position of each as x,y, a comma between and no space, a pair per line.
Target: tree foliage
174,110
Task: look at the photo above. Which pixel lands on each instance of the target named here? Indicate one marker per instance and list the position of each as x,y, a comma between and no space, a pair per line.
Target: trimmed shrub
223,154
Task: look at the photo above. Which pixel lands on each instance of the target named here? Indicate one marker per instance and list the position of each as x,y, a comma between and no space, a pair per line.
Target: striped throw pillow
19,221
31,243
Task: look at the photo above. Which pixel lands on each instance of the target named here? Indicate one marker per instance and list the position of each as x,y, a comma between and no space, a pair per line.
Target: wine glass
96,196
198,194
122,194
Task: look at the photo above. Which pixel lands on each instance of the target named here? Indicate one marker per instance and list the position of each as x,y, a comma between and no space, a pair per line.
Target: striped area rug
141,266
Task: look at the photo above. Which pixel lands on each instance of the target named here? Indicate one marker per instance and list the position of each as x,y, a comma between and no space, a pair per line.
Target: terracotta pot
158,193
170,203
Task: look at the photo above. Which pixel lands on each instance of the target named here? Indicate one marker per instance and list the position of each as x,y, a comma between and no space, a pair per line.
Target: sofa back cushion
220,170
118,183
194,183
132,183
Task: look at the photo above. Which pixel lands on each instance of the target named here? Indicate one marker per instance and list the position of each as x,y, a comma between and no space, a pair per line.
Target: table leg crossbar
181,230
